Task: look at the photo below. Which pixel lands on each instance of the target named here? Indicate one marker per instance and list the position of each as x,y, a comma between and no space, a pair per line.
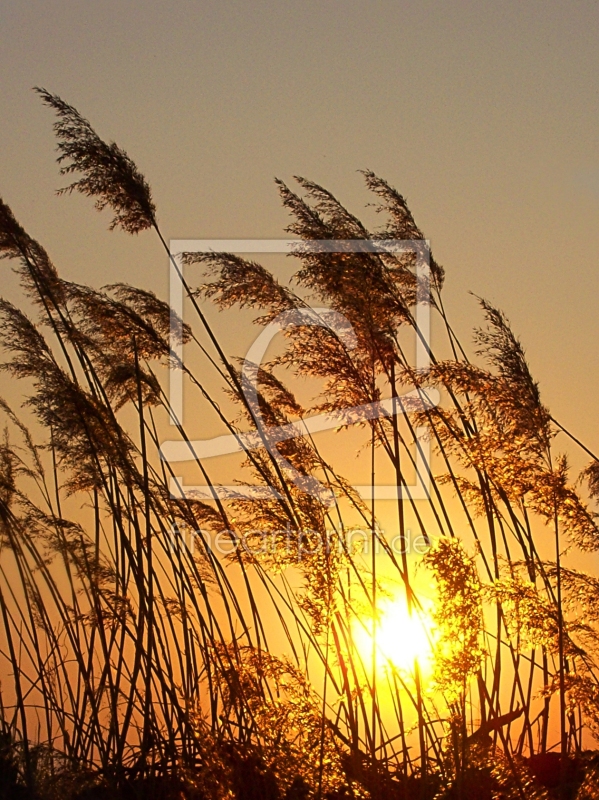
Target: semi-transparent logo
269,437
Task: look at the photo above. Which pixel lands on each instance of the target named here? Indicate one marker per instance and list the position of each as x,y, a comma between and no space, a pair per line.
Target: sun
403,638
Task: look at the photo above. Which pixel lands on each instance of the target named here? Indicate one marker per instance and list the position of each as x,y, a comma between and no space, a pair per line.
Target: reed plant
135,664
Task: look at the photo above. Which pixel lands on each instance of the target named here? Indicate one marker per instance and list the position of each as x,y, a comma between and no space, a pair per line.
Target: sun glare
402,638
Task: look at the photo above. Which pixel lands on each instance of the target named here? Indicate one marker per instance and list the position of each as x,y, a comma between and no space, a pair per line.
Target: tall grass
135,663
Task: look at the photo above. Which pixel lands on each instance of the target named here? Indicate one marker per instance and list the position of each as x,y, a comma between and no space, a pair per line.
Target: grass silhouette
134,664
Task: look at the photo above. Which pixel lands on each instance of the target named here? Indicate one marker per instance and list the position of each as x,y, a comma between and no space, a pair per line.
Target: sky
484,115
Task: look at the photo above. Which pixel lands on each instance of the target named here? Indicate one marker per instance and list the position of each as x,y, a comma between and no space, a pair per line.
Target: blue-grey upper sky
485,115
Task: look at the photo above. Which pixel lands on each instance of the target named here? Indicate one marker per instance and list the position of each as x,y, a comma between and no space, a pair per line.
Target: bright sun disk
402,638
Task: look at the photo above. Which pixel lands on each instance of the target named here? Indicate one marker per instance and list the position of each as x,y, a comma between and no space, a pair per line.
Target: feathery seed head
109,175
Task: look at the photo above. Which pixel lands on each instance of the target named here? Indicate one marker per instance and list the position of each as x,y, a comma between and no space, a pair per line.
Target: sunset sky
485,115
